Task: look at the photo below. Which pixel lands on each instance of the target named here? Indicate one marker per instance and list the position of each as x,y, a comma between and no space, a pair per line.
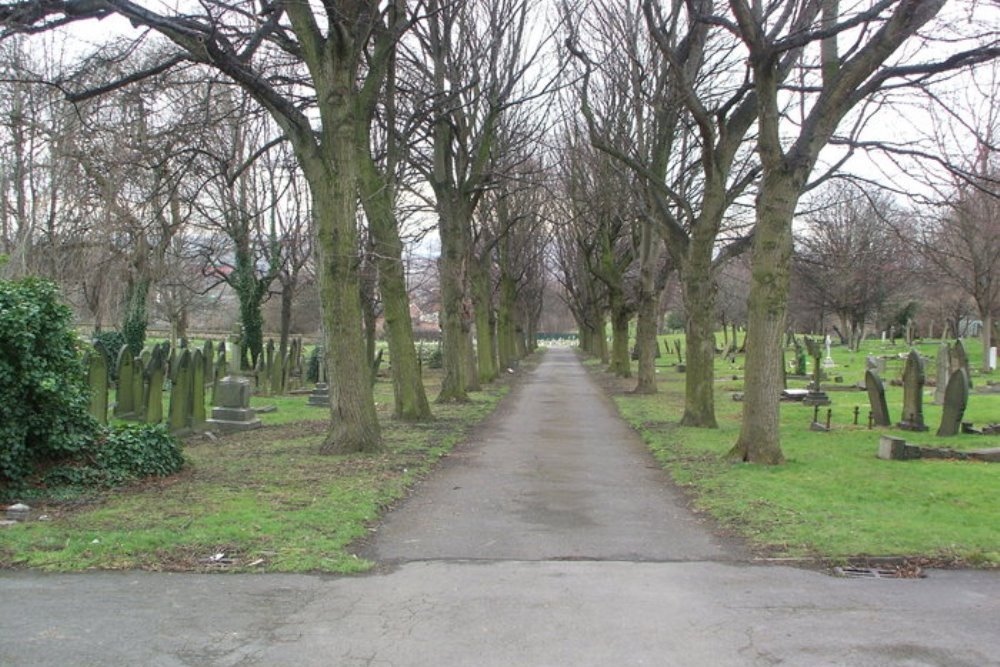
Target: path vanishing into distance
552,538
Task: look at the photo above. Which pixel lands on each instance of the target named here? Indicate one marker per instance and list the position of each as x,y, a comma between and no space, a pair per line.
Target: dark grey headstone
913,394
956,398
943,372
125,389
179,420
97,380
876,399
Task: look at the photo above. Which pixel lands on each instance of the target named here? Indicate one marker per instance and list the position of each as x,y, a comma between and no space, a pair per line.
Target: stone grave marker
876,399
155,372
956,398
960,359
943,372
816,395
208,354
97,380
179,419
125,390
197,390
277,366
231,411
913,394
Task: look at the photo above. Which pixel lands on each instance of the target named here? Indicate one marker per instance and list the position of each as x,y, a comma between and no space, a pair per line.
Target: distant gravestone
876,399
231,411
155,372
197,390
956,398
816,395
960,359
943,372
179,419
208,355
277,370
97,380
219,372
913,394
125,387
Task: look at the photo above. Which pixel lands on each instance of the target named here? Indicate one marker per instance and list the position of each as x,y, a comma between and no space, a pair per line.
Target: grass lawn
833,499
264,500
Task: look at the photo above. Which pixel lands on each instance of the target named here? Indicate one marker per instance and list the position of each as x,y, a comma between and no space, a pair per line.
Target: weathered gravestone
320,396
208,355
155,373
197,391
219,372
913,394
943,372
97,380
231,411
179,419
276,368
125,398
956,398
816,395
960,359
876,399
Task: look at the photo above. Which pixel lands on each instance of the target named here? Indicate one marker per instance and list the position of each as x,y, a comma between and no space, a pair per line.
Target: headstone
943,372
235,356
960,359
97,380
219,372
913,394
155,373
816,395
956,399
320,396
993,359
231,411
125,389
179,419
828,361
197,391
208,354
876,399
277,373
139,382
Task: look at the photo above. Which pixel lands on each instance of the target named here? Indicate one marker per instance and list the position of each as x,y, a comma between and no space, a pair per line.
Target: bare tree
834,81
340,52
849,260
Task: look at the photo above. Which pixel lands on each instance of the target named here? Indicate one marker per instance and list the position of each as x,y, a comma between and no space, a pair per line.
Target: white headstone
883,336
993,358
828,362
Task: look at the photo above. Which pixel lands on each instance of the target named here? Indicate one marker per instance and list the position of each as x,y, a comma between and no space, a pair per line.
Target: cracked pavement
552,539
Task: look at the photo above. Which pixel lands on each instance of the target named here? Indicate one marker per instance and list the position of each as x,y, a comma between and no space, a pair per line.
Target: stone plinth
320,396
232,410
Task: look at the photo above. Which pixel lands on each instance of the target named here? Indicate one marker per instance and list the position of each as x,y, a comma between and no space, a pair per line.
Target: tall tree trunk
333,182
759,439
285,326
134,317
621,364
699,339
482,305
451,267
645,329
507,303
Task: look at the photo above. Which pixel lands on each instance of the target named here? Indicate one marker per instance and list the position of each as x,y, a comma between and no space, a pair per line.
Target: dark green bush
43,394
123,452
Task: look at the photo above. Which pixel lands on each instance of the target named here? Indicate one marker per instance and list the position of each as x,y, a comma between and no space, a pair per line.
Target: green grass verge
265,499
833,499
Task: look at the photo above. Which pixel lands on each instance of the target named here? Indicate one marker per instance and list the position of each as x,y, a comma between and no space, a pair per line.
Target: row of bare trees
252,121
709,121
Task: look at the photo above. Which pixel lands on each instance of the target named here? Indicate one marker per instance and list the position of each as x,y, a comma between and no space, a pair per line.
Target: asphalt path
550,539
